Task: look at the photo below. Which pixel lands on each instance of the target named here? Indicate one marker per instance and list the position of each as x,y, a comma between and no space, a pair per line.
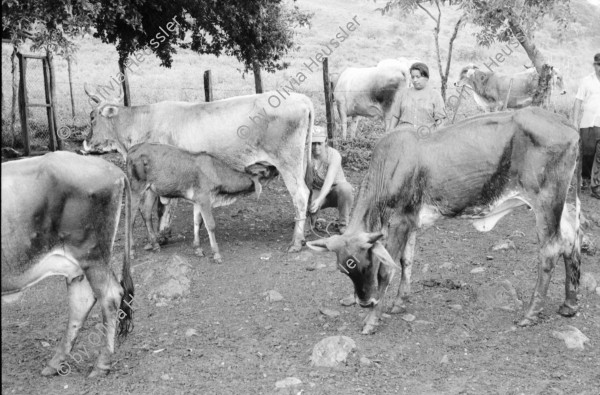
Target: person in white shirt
329,186
586,114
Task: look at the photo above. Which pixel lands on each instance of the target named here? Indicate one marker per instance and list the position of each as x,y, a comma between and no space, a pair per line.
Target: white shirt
589,94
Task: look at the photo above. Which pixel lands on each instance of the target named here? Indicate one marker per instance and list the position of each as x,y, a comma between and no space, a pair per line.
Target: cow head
103,134
364,259
466,76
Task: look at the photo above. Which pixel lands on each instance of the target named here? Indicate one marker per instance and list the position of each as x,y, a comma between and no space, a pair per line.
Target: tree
252,31
411,6
505,20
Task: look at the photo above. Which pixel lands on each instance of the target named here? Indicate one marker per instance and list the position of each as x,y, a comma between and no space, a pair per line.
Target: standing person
329,186
420,105
586,114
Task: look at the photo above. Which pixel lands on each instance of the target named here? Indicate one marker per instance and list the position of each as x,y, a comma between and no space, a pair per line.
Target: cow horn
95,98
384,256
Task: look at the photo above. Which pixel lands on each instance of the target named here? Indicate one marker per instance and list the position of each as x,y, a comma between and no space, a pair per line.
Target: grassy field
378,37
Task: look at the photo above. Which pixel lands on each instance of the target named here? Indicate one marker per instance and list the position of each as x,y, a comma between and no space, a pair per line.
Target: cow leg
149,202
204,208
549,254
109,293
81,301
164,230
572,272
197,226
343,118
385,275
354,126
294,181
371,321
406,262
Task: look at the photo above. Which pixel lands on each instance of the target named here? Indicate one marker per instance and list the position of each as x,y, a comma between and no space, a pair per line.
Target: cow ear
109,111
384,256
373,237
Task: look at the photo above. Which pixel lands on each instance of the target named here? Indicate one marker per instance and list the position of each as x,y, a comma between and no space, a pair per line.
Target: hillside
377,37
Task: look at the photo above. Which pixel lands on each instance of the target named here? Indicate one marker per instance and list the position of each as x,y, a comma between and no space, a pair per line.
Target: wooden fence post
257,78
23,103
126,91
71,87
15,94
52,87
49,101
328,102
208,93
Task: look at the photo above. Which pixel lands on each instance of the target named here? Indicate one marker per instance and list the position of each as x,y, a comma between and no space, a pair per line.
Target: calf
60,214
168,172
481,168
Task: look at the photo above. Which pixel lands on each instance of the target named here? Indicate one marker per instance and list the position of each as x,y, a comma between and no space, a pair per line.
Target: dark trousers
590,138
340,196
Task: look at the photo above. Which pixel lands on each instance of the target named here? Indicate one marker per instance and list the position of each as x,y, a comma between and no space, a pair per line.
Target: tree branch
450,44
428,13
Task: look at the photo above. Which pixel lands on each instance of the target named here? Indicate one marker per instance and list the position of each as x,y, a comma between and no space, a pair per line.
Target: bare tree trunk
539,61
450,45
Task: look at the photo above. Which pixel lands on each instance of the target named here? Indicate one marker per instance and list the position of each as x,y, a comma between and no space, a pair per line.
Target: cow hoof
567,311
199,252
49,371
397,309
98,372
148,247
348,301
295,248
368,329
527,322
218,258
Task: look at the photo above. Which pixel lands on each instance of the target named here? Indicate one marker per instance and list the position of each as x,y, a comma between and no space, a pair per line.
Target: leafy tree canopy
259,31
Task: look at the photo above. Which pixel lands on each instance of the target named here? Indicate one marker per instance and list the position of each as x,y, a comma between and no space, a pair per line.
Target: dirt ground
459,342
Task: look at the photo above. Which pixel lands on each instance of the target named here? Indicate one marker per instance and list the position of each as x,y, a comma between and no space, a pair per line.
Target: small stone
332,351
478,270
423,322
364,361
504,245
165,377
288,382
573,337
444,359
598,291
386,315
587,282
45,344
447,265
425,268
191,332
489,258
455,307
273,296
329,313
408,317
265,257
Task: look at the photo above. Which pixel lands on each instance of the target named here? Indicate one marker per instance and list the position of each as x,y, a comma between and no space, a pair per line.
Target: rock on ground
587,282
177,283
332,351
288,382
573,337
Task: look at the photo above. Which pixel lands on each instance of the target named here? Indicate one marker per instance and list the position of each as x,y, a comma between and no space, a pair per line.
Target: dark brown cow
481,168
60,214
169,172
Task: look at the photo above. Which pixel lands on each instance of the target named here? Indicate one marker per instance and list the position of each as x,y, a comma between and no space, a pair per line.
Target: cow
60,215
241,131
170,172
481,168
490,89
367,92
403,64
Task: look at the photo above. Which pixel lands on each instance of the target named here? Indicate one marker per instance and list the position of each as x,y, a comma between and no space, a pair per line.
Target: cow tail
308,158
576,252
125,315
